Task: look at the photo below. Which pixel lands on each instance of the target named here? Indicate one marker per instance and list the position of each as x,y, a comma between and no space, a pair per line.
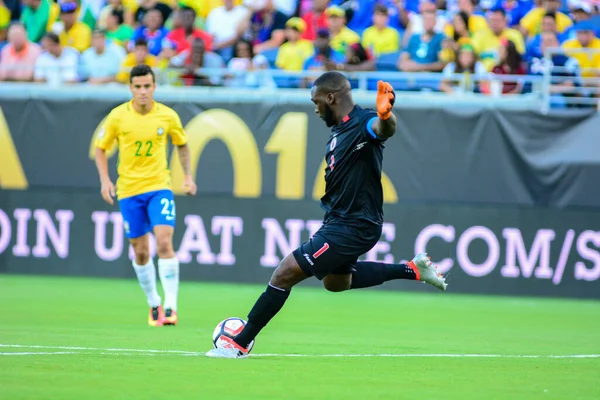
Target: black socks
369,274
266,307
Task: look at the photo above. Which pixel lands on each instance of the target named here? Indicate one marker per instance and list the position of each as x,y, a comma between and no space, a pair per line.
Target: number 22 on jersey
143,149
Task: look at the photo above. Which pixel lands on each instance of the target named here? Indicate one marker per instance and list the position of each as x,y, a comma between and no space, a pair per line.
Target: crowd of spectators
98,41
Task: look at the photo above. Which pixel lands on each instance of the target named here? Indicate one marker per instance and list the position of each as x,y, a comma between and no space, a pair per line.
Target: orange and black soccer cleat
156,316
385,99
170,317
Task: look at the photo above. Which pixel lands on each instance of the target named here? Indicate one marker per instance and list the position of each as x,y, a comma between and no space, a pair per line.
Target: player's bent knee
287,274
142,257
164,241
164,248
141,248
337,283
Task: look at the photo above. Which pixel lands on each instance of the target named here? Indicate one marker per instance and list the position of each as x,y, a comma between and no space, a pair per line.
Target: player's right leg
313,258
161,213
286,275
137,228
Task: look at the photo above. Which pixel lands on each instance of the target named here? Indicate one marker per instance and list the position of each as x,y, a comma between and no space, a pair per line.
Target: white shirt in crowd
105,65
288,7
56,70
222,24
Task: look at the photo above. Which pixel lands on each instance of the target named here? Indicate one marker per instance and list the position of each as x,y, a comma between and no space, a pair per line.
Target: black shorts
335,248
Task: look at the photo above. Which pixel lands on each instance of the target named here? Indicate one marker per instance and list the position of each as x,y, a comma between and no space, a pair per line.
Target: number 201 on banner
288,142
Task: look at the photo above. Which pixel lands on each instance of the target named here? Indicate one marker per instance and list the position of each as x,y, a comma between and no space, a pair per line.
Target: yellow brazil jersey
78,37
291,56
381,42
585,60
204,7
532,21
130,62
343,39
53,16
487,45
142,142
476,23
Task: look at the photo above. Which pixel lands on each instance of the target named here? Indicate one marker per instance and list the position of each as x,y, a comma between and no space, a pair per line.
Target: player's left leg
363,274
161,212
168,271
366,274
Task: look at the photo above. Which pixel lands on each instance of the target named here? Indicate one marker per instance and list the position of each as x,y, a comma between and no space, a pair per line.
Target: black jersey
354,156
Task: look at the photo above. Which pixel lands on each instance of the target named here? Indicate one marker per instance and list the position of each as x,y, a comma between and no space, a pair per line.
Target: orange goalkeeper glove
385,99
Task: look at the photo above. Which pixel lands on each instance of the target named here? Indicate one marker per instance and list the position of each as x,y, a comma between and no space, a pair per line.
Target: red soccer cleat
156,316
170,317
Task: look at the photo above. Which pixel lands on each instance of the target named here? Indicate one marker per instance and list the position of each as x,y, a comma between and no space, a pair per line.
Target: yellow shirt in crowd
129,62
291,56
476,23
532,21
202,7
381,42
346,37
486,44
78,37
591,60
143,146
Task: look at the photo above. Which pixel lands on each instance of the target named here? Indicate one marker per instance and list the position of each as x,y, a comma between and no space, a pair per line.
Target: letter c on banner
233,132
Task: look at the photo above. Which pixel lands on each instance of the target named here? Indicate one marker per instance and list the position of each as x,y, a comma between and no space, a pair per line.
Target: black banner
270,150
502,250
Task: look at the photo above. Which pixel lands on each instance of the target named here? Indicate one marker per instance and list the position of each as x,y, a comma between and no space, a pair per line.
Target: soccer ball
225,332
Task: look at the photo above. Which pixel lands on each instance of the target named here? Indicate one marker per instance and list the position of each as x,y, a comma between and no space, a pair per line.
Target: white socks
168,270
146,275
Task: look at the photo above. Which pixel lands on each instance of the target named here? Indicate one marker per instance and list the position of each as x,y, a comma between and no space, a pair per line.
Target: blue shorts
143,212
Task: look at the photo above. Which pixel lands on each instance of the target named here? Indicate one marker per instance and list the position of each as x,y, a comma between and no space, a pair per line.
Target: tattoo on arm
184,159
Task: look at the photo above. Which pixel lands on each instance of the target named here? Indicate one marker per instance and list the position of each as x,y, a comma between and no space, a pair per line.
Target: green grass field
88,339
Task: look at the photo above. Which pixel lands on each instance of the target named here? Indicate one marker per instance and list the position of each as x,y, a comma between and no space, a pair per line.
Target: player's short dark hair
141,42
331,81
141,70
53,37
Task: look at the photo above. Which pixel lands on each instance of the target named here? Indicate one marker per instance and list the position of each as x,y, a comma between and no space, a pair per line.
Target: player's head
17,35
51,43
140,50
99,40
153,19
331,92
549,40
142,85
188,18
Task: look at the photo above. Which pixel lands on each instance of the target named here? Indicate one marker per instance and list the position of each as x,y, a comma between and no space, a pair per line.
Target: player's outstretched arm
385,126
184,157
107,188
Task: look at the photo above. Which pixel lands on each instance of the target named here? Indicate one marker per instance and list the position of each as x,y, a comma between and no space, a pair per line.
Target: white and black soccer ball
225,332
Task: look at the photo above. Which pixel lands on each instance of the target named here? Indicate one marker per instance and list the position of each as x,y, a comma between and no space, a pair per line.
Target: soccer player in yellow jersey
141,127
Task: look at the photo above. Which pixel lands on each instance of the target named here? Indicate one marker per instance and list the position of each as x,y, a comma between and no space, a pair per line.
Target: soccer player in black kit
353,204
